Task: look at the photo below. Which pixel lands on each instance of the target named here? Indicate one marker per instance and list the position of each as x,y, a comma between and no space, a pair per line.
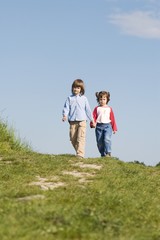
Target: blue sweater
77,108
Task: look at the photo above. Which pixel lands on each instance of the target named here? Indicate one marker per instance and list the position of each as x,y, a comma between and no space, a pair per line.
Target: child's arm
65,110
93,123
88,110
113,122
64,118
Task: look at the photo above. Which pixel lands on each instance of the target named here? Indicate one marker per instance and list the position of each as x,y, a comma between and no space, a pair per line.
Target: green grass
9,142
120,201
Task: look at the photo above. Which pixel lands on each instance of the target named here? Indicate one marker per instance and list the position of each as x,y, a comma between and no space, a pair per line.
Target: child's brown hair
101,94
78,83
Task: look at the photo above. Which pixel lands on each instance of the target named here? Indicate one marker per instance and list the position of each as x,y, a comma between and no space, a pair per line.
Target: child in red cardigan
105,123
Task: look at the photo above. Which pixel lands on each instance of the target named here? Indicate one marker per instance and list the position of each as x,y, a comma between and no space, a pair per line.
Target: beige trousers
78,136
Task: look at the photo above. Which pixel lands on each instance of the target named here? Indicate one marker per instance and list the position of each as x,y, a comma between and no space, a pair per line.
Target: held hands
92,124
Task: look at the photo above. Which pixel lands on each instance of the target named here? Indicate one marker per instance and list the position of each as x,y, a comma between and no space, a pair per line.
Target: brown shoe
108,155
78,156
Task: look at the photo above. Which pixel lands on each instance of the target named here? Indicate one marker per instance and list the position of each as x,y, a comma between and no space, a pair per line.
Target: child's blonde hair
79,83
101,94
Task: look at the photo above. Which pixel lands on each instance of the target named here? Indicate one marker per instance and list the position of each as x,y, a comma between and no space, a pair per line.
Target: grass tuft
9,142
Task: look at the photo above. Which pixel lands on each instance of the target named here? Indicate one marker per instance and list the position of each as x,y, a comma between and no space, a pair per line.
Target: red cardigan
104,115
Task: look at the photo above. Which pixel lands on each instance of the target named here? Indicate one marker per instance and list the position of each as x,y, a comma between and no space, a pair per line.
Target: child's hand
64,118
92,125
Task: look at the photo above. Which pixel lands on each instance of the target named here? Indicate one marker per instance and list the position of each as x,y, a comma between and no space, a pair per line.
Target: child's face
103,101
76,90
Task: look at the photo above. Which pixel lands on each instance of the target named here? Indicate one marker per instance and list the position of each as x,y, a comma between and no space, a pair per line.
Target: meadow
60,197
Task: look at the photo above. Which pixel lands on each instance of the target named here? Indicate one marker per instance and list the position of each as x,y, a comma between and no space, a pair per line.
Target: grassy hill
60,197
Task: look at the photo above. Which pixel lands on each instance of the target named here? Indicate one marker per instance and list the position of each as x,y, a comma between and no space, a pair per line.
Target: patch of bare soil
84,165
3,161
28,198
46,184
78,174
83,177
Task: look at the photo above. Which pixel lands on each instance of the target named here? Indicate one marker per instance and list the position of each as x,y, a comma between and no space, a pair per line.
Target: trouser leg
99,139
73,134
107,138
78,136
81,137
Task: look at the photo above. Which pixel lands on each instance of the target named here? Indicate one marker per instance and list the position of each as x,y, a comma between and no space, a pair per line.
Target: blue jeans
103,137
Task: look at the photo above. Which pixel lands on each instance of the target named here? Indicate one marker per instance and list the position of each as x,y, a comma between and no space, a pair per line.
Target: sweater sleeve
65,110
113,121
95,114
88,110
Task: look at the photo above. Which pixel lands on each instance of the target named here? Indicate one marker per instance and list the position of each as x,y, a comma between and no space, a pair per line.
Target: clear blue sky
112,45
